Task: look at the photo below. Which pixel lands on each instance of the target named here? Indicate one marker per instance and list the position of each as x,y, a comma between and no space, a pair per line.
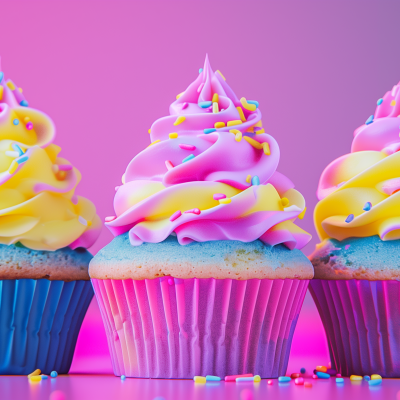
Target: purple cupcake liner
362,324
179,328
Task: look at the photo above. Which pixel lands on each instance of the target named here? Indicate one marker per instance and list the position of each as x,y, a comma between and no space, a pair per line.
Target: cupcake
357,264
45,229
204,275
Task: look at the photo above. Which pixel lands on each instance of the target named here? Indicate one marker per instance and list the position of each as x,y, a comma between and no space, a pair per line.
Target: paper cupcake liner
179,328
362,324
39,324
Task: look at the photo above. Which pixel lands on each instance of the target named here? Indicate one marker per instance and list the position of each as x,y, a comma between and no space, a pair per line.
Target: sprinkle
220,74
175,215
285,203
302,370
65,167
205,104
109,219
193,211
247,106
322,375
367,206
169,165
215,108
184,105
339,380
367,378
1,76
29,126
253,142
219,196
83,221
370,120
267,150
355,378
199,379
10,85
315,376
212,378
16,121
13,167
219,125
241,115
234,122
238,137
224,201
339,375
393,103
215,98
209,130
44,376
349,218
375,382
13,154
299,381
123,377
284,379
179,120
156,141
295,375
255,102
270,382
321,368
173,135
375,376
1,90
260,131
149,130
200,87
255,180
24,103
123,179
301,215
179,95
200,70
379,102
36,378
53,374
188,158
232,378
255,378
307,384
20,90
35,373
248,179
170,281
61,175
22,160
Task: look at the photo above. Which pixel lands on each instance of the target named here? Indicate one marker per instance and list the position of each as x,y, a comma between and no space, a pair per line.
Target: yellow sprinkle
13,167
284,201
215,108
179,120
173,135
156,141
238,137
179,95
247,106
20,89
36,378
26,119
301,215
393,103
253,142
219,125
234,122
375,376
10,85
260,131
225,201
248,179
266,148
215,98
355,378
241,115
257,378
200,379
220,74
35,372
149,131
89,223
1,92
259,124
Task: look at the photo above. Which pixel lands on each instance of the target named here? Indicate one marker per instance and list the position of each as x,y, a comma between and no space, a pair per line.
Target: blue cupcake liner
39,324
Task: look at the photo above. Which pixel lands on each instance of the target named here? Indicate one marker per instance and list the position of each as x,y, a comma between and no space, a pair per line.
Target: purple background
105,70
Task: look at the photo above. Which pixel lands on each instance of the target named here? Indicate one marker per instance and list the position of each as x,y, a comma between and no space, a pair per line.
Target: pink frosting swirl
212,143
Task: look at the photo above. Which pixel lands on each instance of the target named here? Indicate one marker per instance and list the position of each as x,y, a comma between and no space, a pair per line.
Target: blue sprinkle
339,380
53,374
370,120
367,378
1,76
255,180
284,379
123,377
188,158
302,370
17,148
16,121
22,160
322,375
24,103
374,382
200,70
350,218
379,102
367,206
205,104
253,102
212,378
45,377
209,130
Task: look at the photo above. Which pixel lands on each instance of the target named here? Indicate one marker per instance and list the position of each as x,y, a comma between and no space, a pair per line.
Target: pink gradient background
105,70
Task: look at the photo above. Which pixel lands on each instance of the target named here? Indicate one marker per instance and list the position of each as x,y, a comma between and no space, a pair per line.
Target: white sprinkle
292,208
82,221
13,154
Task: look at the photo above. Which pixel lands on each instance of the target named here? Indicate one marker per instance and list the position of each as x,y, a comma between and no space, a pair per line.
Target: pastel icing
358,192
38,205
209,174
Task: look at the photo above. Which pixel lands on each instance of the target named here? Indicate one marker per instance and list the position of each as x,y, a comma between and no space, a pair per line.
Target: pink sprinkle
109,219
169,165
65,167
170,281
74,199
299,381
29,126
270,382
184,105
338,375
315,376
219,196
187,146
200,87
347,247
175,216
194,211
117,187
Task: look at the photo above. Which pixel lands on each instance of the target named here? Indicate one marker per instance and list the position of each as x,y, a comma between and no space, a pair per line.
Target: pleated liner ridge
39,324
179,328
362,324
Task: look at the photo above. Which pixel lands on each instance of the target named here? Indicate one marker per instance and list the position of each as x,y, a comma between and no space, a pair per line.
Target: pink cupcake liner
362,324
179,328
